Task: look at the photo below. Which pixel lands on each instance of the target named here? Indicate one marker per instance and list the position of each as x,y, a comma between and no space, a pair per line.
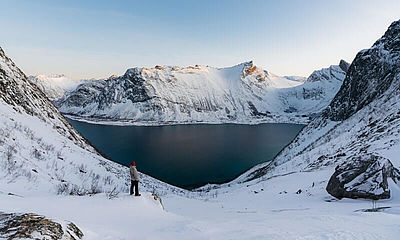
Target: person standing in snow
134,179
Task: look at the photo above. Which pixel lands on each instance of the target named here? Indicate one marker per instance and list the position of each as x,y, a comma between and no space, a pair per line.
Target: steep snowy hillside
168,95
39,150
54,86
358,132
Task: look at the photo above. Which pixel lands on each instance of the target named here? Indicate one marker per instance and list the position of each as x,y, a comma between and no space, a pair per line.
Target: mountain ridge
357,136
243,93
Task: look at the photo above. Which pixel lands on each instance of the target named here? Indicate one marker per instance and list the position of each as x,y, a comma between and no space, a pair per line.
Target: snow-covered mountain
40,151
239,94
54,85
358,133
282,200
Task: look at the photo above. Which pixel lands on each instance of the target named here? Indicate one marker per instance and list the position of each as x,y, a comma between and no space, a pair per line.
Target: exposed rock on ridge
372,72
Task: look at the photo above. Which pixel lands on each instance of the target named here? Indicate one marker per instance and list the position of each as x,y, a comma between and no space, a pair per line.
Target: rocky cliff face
243,94
358,132
371,74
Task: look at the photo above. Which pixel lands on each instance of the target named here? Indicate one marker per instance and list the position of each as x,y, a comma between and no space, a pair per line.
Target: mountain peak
250,69
344,65
372,73
245,65
391,34
132,72
248,63
333,72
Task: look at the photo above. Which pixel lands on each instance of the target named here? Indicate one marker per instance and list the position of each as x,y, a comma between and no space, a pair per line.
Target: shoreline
176,123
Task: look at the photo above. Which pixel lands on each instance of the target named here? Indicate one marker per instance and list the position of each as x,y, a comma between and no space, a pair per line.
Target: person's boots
131,190
137,194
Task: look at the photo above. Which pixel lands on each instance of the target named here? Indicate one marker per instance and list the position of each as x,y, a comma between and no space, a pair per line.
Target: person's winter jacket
134,173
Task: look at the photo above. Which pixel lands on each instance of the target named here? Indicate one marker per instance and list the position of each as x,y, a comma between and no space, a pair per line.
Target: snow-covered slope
267,210
168,95
287,202
359,131
39,150
55,85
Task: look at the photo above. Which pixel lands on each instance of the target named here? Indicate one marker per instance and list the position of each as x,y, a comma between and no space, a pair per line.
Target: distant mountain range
176,95
55,85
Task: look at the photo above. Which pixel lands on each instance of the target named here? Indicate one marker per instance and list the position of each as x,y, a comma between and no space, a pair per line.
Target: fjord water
190,156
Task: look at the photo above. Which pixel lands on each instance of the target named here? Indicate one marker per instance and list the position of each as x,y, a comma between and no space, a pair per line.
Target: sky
96,39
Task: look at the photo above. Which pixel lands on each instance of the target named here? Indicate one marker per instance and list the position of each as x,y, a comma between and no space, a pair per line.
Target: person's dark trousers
136,184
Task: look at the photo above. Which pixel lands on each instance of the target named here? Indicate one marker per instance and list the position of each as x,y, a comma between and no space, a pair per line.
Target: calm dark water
190,155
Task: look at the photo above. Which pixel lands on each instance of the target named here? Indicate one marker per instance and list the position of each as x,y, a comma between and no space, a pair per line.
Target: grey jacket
134,174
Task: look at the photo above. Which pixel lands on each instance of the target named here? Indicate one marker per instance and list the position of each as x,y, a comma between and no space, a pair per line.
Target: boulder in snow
363,177
32,226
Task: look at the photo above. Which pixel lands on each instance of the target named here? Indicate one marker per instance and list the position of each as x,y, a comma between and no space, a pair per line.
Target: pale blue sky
85,39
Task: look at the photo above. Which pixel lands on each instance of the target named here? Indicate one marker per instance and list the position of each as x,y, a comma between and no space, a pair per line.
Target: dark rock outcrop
372,72
32,226
363,177
344,65
129,86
